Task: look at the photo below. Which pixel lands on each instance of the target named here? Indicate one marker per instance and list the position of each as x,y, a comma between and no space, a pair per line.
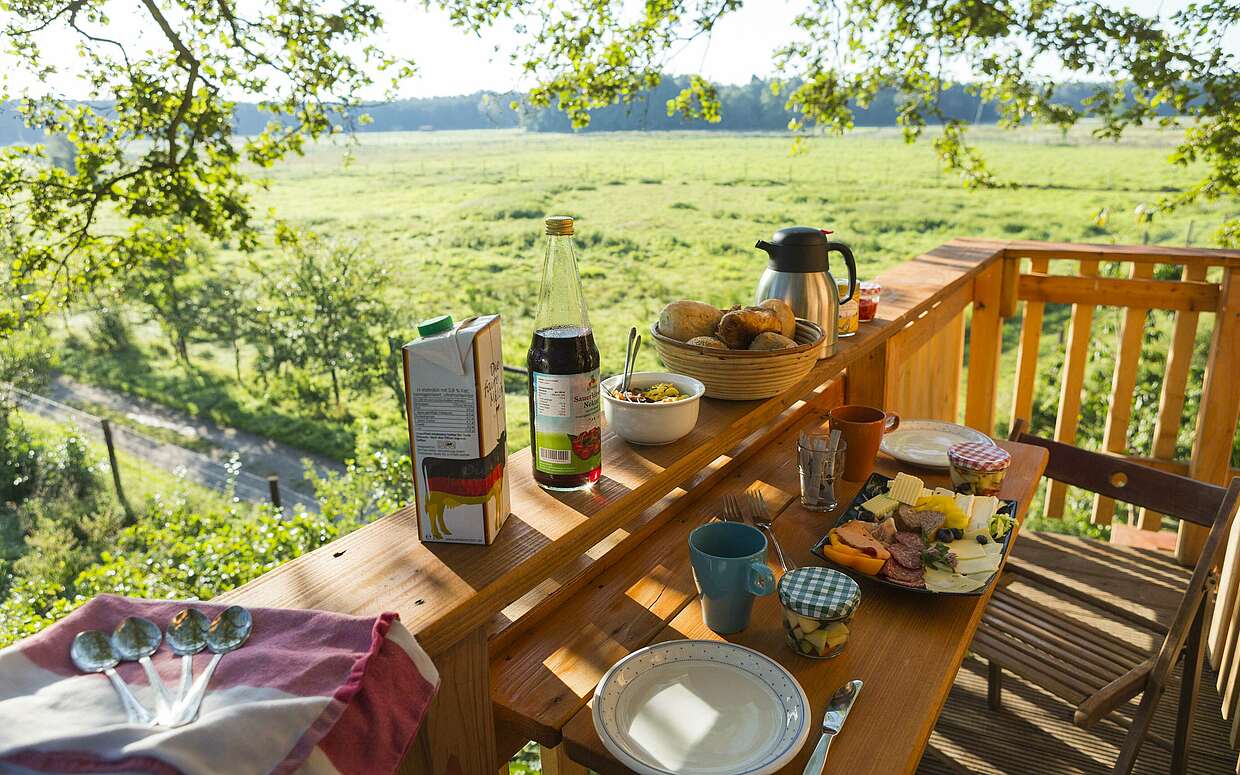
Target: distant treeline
751,107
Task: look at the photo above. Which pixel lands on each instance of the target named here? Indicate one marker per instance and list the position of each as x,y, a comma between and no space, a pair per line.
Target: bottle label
567,431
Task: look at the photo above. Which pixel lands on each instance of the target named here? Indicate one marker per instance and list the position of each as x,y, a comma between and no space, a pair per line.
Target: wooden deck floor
1033,733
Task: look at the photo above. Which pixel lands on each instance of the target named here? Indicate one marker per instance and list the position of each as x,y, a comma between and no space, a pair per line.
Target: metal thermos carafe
798,272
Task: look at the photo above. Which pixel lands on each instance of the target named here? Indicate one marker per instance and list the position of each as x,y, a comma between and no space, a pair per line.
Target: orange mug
863,428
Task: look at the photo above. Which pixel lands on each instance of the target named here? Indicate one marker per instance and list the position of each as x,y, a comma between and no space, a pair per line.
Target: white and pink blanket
311,692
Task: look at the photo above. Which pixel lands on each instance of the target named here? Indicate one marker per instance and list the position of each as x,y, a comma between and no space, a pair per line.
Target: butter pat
881,505
906,489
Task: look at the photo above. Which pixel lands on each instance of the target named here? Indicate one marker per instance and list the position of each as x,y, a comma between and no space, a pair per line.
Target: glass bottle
563,362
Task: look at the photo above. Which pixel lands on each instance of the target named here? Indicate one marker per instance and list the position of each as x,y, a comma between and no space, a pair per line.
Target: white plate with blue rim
700,707
925,442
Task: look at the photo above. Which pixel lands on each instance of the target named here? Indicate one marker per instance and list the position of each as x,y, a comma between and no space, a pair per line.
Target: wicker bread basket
742,375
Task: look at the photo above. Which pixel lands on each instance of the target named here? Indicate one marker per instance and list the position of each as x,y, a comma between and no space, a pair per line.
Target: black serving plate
878,484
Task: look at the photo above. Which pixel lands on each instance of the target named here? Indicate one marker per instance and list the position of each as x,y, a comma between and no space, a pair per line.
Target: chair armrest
1114,694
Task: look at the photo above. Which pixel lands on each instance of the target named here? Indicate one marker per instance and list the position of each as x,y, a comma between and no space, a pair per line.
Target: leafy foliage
164,145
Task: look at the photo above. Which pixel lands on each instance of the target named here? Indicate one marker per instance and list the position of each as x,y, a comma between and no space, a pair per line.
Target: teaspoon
187,635
135,639
229,631
92,652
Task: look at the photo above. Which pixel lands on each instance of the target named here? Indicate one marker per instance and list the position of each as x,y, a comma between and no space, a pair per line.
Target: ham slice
857,535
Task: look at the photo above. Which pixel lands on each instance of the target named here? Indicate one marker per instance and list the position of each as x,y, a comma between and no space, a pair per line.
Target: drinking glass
819,469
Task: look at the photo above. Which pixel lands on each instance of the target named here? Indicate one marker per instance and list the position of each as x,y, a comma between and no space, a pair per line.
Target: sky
451,61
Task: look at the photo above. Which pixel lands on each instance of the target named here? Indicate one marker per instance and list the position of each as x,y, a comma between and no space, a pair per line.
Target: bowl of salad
659,407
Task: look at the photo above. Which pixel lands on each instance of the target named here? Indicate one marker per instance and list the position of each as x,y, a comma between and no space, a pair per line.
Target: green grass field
456,216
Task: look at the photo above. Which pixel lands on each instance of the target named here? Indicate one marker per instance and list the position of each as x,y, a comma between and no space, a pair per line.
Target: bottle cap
435,325
559,225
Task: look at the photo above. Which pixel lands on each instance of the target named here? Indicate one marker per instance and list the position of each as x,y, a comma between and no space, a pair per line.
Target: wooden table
905,646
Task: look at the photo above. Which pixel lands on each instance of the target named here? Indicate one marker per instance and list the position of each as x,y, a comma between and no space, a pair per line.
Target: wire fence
224,477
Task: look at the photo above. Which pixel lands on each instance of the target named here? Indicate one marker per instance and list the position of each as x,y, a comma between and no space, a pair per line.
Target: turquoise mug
729,568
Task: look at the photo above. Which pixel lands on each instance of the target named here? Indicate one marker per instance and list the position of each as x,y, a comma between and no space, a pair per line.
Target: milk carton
454,390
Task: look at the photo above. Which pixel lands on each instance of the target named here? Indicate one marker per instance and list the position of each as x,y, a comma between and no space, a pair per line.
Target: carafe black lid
797,249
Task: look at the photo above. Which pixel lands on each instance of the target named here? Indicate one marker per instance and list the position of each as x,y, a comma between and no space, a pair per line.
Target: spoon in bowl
135,639
629,358
187,635
92,652
229,631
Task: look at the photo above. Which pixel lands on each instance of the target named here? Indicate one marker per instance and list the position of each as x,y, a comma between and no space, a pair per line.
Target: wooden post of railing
1072,379
1124,380
1220,406
1027,355
1174,386
985,342
458,736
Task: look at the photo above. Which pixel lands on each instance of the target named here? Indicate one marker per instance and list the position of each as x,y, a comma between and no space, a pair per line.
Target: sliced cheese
945,581
965,503
946,492
986,564
906,489
880,505
967,549
982,509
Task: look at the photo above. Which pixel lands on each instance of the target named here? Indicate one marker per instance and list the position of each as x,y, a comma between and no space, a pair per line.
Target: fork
761,518
732,509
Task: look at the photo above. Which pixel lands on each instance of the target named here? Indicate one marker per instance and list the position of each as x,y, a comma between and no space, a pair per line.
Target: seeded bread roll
707,341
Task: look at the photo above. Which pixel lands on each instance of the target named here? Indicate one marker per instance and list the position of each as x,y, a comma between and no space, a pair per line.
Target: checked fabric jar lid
976,456
819,593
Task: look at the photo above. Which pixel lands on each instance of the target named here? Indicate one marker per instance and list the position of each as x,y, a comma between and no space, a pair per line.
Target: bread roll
738,328
682,320
787,320
769,340
707,341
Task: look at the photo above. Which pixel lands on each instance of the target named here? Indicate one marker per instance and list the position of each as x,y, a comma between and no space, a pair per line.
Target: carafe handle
852,267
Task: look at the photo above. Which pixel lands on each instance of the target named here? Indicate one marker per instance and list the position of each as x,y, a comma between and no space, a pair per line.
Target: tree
168,283
157,141
324,313
156,138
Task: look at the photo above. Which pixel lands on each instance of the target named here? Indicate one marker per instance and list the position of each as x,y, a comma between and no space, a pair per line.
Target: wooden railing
460,601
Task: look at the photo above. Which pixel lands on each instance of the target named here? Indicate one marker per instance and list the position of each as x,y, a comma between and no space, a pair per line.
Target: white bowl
652,424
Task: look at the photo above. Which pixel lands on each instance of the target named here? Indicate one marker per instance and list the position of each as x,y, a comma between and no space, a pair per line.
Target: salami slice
897,573
906,557
911,540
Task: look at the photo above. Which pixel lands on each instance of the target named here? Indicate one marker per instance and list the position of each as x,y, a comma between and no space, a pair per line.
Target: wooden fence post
273,486
116,470
1220,407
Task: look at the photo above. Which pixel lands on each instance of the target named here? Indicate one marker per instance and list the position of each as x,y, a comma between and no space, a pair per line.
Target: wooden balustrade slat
1154,254
1073,378
1220,408
1117,292
1174,386
1027,355
1119,413
985,342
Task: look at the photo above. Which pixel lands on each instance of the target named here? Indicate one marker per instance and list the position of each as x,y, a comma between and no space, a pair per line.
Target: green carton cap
435,325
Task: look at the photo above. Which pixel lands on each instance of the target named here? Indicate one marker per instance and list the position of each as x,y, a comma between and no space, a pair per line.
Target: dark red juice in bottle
565,417
565,433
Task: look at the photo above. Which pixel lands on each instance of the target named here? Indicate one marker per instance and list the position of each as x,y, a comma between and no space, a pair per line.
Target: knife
837,710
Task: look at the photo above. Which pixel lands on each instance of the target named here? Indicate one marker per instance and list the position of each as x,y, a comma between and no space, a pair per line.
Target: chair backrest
1119,479
1198,502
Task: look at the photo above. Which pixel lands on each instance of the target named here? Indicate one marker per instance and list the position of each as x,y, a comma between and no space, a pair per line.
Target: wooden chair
1089,668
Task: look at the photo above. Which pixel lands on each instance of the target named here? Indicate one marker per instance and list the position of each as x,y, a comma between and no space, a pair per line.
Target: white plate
925,442
700,707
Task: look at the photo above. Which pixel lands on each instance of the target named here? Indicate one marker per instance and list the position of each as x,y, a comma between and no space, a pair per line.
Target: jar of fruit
850,313
977,468
819,604
868,294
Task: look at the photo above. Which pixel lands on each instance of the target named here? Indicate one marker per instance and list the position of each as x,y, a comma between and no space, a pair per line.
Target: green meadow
457,219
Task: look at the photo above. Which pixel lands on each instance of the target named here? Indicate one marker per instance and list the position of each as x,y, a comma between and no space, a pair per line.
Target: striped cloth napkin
310,692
